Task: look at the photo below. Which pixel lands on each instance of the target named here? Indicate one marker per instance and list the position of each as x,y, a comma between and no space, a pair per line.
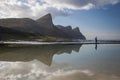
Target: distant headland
41,29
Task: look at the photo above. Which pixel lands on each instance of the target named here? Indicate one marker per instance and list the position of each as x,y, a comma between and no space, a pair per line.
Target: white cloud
35,70
37,8
70,4
31,8
79,4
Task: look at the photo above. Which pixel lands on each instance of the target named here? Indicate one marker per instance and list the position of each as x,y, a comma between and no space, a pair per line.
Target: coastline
19,42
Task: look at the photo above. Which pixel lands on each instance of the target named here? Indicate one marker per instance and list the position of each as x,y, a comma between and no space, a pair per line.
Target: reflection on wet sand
34,70
30,62
43,53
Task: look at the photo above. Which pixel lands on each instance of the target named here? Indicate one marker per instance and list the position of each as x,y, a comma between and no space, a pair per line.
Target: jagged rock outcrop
46,21
78,34
76,30
41,27
48,27
73,33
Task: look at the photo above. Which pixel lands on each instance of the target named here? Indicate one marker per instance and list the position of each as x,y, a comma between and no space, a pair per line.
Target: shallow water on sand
60,62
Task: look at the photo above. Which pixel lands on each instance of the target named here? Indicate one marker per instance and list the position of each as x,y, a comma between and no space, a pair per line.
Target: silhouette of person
96,43
96,40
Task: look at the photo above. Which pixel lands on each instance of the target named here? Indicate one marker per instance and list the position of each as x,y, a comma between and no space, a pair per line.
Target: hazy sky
94,17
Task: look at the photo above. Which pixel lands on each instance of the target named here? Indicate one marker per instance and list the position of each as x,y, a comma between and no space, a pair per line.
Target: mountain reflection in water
43,53
41,62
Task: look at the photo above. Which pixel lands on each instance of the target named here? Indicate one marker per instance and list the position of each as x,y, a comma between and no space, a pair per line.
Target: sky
99,18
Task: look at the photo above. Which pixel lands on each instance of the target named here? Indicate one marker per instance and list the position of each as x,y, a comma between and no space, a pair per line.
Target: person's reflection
96,46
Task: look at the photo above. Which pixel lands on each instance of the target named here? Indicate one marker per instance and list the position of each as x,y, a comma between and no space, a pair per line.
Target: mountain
73,33
42,27
78,34
46,22
48,27
8,33
21,24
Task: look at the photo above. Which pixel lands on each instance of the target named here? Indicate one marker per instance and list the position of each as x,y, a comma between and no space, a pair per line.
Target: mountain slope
48,27
21,24
73,33
46,21
8,33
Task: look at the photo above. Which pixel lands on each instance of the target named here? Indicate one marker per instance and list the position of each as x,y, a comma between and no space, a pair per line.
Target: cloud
80,4
37,8
70,4
35,70
28,8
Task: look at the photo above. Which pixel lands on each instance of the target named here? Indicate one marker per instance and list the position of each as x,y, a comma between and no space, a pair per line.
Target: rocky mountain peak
76,29
69,27
59,26
46,21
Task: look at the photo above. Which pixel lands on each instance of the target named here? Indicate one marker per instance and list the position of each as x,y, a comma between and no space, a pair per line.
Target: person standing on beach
96,40
96,43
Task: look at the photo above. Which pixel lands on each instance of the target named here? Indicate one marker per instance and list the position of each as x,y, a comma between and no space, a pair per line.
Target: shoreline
56,42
